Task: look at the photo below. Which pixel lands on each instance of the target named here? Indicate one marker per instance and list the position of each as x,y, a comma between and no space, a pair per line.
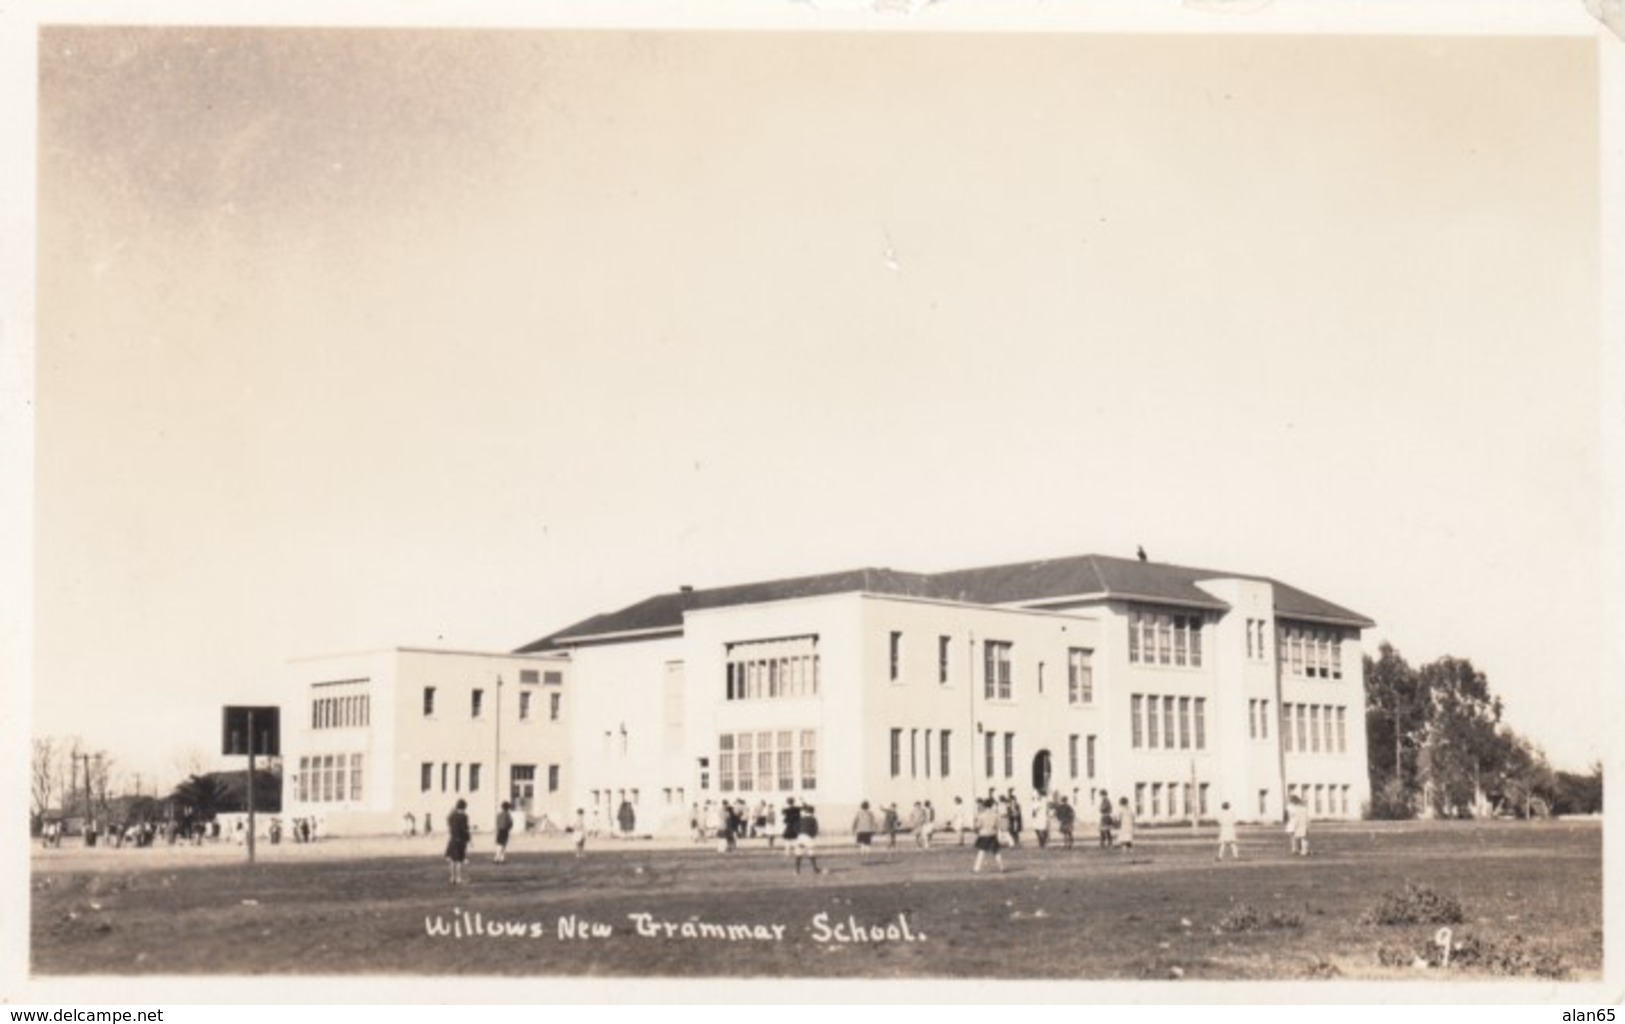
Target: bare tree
45,778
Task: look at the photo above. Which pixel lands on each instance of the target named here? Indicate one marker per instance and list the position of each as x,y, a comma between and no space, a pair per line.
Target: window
1286,727
989,740
996,670
1135,715
477,703
1252,719
1165,638
1156,799
1314,728
474,778
457,777
764,761
787,761
1072,755
445,775
1089,755
1201,723
552,778
773,669
944,738
529,675
809,759
746,744
1009,755
428,701
1201,796
552,678
943,645
1342,732
925,753
524,706
1040,679
1302,714
427,778
1080,676
896,753
725,763
896,656
914,753
1139,799
1184,723
1151,720
1263,803
554,700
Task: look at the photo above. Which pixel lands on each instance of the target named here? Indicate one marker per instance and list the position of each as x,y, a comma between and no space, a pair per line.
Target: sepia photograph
875,496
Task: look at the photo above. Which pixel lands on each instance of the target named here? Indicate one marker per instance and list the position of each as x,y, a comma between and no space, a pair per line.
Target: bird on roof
1139,550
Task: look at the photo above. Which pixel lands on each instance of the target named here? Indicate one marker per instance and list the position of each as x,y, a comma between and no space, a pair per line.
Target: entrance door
522,786
1041,771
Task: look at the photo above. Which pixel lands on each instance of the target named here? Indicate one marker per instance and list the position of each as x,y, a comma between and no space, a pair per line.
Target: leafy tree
1461,746
1396,726
1576,793
200,796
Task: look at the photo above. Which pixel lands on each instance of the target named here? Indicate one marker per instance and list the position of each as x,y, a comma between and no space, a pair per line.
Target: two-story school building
1174,687
1177,688
380,735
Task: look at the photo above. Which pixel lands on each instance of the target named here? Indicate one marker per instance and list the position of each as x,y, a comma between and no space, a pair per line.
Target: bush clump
1416,904
1244,917
1514,956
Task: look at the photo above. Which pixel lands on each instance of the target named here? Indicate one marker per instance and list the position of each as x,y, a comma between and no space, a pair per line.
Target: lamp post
496,760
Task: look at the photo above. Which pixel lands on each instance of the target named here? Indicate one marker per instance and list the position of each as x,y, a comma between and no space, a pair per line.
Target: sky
355,339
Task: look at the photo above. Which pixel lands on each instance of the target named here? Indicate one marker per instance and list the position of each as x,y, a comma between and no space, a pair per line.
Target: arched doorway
1041,771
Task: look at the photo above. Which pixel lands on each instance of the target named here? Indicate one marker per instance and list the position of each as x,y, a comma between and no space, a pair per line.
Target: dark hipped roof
1026,583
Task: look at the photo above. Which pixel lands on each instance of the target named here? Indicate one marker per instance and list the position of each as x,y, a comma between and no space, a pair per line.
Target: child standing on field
579,834
1227,833
1297,826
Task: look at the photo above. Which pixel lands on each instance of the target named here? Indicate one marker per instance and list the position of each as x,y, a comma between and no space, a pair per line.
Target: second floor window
996,670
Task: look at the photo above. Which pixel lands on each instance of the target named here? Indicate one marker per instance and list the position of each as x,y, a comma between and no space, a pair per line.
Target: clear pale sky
357,339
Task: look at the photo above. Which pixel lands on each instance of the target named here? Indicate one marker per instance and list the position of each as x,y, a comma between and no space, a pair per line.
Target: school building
1178,688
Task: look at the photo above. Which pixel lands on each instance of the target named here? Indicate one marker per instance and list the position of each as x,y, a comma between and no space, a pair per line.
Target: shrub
1416,904
1514,956
1244,917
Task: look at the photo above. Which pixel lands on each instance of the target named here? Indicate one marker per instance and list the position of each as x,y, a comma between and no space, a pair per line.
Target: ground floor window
761,762
330,778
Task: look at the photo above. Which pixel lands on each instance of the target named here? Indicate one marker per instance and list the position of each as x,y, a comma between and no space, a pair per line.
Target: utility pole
496,760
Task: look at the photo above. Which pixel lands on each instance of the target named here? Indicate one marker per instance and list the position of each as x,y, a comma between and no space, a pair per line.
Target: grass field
1166,910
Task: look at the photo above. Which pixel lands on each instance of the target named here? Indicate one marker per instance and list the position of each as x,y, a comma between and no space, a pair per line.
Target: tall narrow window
943,647
1136,716
809,760
524,706
428,701
1072,755
925,753
473,778
745,749
1080,678
1342,731
896,655
896,753
1184,723
1314,728
477,703
1201,723
914,753
1009,755
427,779
1263,719
552,778
725,762
943,764
553,702
1089,755
996,668
988,741
1152,718
1302,715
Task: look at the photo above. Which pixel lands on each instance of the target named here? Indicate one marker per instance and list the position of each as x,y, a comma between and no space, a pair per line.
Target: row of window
329,778
451,777
1149,800
1321,798
1314,728
1311,652
770,669
1165,638
762,762
549,678
348,712
1167,723
919,756
476,703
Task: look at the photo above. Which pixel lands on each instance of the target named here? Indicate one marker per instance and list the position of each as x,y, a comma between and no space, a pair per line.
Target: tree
200,796
45,779
1461,747
1396,725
